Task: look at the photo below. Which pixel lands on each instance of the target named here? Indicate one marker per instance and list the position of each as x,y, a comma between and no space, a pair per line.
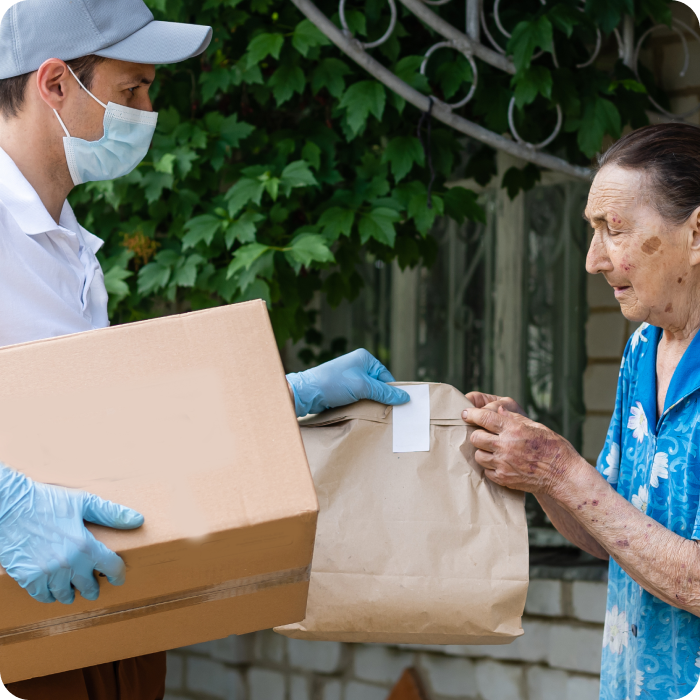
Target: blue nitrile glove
357,375
44,544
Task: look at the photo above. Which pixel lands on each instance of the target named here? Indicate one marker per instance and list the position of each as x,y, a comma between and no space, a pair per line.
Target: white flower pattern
659,469
616,632
641,499
613,462
638,683
638,422
637,336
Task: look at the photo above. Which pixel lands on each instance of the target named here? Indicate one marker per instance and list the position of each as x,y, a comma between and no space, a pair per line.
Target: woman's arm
521,454
567,526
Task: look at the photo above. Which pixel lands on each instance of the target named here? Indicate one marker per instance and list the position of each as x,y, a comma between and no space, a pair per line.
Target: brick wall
557,659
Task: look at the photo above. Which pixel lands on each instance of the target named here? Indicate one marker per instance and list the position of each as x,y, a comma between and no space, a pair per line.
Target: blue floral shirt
651,649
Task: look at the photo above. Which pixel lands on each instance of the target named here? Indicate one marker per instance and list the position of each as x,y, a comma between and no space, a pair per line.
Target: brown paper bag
416,548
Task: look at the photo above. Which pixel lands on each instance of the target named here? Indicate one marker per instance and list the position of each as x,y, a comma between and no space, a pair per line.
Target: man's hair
13,90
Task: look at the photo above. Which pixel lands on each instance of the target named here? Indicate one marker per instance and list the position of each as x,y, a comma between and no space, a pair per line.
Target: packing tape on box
97,618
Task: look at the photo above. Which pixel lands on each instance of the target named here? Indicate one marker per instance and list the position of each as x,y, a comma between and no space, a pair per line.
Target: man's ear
693,229
53,83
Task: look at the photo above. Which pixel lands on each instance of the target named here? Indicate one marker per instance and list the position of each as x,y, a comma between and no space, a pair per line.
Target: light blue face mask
127,136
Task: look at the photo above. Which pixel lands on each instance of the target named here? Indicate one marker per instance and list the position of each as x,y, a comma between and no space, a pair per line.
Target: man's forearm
570,528
663,563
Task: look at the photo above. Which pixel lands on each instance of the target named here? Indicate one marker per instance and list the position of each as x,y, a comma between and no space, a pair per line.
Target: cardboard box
188,420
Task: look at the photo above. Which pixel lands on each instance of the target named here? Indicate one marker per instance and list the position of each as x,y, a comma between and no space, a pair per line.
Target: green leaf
155,183
153,277
297,174
379,224
402,152
329,74
461,204
362,99
533,81
312,154
244,257
258,289
158,5
246,190
423,217
185,274
308,36
115,284
308,248
452,74
600,117
516,179
608,13
658,10
262,46
201,228
528,36
629,84
285,81
564,18
337,222
233,132
243,229
356,21
216,80
184,158
408,70
165,164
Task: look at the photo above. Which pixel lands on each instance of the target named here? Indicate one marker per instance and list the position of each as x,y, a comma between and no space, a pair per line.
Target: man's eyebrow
142,81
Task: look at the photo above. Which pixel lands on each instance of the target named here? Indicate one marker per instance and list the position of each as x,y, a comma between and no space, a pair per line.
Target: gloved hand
357,375
44,544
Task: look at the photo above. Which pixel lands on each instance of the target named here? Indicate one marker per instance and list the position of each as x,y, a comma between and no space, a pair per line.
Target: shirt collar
646,386
25,207
685,380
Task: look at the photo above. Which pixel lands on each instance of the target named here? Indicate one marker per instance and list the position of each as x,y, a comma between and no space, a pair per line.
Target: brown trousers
141,678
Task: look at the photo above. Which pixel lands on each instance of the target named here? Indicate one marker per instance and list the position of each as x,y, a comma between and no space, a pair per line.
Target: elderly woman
640,508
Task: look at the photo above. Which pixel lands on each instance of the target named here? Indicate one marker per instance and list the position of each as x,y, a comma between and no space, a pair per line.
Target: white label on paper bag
412,421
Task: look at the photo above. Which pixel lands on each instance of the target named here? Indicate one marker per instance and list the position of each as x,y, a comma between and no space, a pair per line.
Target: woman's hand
518,453
491,402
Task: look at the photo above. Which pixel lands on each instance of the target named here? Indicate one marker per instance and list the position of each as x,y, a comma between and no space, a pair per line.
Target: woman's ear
693,229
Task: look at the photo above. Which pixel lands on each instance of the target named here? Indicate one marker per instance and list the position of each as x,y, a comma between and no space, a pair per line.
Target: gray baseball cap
32,31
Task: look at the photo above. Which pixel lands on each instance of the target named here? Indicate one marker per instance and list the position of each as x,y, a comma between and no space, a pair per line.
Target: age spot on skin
669,308
622,543
680,280
595,503
651,245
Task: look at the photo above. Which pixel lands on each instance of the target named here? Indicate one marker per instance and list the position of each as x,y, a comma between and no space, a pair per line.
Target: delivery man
74,108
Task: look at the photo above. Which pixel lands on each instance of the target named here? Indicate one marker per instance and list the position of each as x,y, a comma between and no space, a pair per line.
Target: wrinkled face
648,263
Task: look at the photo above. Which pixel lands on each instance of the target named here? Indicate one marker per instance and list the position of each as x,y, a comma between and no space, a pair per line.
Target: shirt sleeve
608,463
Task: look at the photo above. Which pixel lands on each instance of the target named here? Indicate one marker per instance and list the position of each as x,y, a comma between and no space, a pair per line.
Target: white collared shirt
50,280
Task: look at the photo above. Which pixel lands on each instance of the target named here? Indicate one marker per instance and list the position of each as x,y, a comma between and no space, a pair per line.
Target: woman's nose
597,259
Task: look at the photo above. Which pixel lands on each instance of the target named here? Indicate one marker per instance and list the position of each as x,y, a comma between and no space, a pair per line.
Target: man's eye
133,89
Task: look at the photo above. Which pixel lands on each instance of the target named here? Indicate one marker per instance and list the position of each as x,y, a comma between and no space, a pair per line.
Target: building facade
507,308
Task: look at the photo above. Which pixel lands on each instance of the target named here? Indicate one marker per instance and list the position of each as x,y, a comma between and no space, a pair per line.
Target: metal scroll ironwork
470,45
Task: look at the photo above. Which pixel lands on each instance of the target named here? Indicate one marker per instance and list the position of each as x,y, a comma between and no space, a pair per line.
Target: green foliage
279,165
517,179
